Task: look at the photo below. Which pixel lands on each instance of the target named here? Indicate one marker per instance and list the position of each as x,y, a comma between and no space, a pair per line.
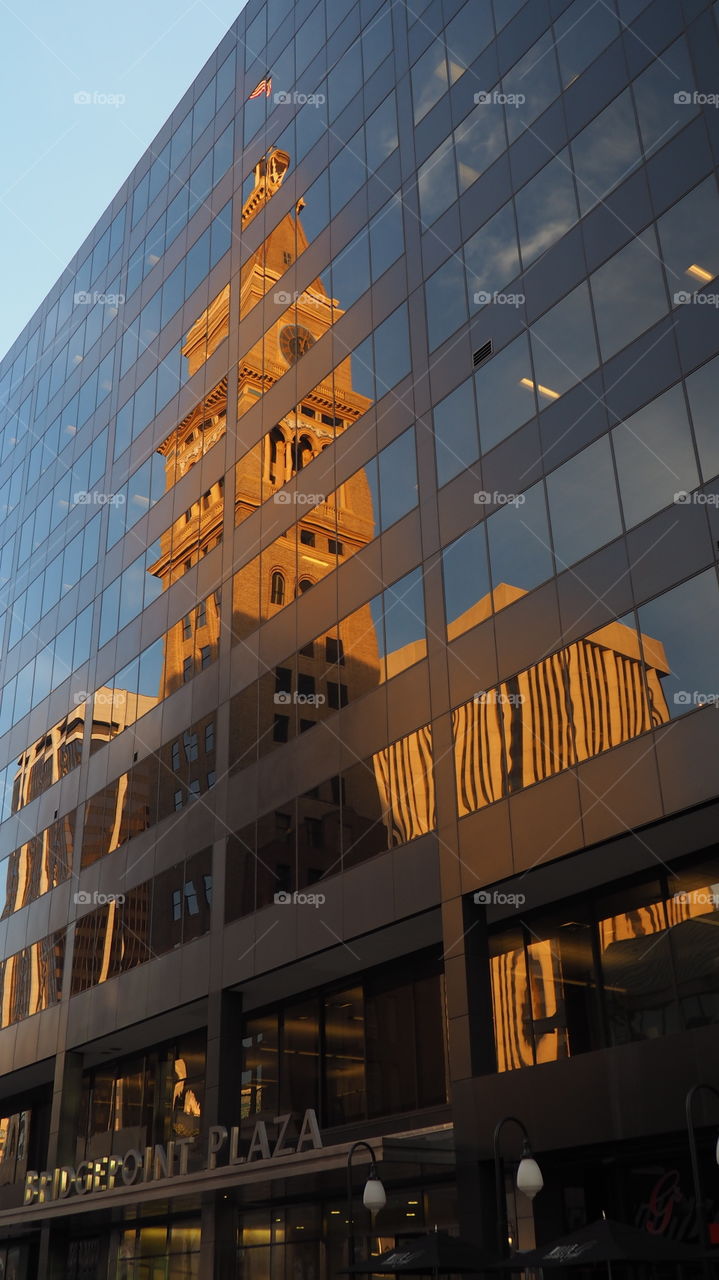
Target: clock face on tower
294,341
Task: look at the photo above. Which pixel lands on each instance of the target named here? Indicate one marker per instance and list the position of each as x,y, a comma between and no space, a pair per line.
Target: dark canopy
435,1254
605,1241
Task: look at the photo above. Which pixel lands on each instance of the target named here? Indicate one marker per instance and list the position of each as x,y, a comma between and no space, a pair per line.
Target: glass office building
358,728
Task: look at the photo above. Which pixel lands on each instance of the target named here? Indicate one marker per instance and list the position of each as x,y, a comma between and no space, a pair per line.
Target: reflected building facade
359,604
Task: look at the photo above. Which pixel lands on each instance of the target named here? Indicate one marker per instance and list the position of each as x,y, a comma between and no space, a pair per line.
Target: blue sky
62,162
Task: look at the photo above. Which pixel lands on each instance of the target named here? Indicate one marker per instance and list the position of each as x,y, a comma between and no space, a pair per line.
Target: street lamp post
704,1241
373,1196
529,1180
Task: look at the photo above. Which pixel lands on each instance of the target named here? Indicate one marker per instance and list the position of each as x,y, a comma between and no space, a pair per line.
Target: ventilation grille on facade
481,353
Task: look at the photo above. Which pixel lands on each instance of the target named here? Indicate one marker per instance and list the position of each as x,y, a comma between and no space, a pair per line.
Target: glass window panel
456,440
689,237
505,393
581,32
536,79
344,81
606,152
398,479
386,237
469,32
344,1066
351,271
692,913
347,172
311,122
563,346
659,113
377,40
655,456
299,1081
478,140
381,133
437,183
628,293
391,1058
637,972
491,257
404,628
198,263
703,392
513,1029
546,207
391,348
583,503
429,80
310,37
259,1090
465,566
446,300
519,546
684,621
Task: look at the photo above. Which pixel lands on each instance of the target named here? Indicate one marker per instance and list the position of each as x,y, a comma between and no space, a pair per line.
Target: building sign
269,1140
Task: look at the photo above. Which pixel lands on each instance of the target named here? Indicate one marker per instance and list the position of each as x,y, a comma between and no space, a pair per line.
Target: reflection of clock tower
344,522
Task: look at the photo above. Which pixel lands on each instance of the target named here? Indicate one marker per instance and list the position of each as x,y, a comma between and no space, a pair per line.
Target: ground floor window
160,1253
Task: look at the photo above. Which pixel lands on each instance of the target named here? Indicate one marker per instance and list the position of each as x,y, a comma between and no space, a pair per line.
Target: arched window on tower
307,453
277,592
303,585
277,456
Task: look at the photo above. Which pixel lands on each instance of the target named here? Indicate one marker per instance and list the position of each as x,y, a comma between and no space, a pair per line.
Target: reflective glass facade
358,629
